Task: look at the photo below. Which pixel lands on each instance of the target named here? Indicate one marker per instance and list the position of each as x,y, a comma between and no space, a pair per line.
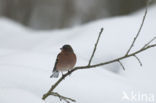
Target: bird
65,61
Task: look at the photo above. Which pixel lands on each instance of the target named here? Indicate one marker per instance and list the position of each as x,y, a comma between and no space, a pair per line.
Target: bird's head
66,48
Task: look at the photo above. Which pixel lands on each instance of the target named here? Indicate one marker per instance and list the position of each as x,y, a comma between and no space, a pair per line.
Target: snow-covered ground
27,58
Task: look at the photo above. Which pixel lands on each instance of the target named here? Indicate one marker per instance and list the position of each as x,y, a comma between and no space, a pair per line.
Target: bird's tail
55,74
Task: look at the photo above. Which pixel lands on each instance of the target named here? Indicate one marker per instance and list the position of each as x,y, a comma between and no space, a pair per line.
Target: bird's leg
69,72
62,73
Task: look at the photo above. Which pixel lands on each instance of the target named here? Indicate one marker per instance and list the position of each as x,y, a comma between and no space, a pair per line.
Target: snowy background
56,14
27,58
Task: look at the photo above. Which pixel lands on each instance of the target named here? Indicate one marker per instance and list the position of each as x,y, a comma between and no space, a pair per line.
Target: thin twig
103,63
142,23
121,65
95,46
66,99
93,66
138,60
149,42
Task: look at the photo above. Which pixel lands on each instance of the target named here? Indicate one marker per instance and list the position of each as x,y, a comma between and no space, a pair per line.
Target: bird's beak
60,48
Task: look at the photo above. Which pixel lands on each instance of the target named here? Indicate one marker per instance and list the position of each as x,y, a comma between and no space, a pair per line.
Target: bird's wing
56,62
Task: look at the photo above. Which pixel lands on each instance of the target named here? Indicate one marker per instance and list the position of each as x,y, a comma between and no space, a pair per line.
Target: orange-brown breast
66,61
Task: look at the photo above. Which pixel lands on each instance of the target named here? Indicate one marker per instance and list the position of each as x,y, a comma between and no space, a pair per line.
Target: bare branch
142,23
93,66
95,46
121,65
66,99
149,42
147,46
138,60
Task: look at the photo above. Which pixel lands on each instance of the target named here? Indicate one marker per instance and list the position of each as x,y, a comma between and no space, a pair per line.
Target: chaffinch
65,61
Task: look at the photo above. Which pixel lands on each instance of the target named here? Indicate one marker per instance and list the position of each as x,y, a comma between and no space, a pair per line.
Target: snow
27,58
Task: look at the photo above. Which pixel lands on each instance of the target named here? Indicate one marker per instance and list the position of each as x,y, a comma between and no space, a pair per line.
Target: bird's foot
69,73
